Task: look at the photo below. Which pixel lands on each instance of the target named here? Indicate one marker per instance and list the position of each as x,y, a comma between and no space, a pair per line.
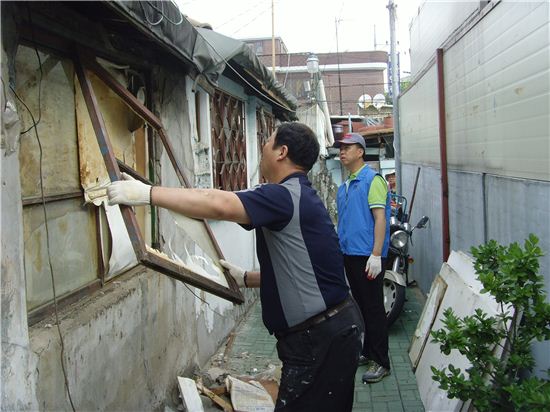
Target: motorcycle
396,277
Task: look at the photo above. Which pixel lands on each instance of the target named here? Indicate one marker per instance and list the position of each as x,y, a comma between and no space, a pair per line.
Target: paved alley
252,351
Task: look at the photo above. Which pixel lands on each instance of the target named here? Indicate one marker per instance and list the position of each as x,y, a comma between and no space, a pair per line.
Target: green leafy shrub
499,347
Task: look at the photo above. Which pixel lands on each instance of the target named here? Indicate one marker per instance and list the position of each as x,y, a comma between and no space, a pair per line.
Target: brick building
346,75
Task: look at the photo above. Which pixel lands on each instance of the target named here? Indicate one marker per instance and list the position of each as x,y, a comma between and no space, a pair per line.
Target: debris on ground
257,393
249,397
189,395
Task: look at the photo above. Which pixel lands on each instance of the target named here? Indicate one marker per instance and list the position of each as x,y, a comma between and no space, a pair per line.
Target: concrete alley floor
251,351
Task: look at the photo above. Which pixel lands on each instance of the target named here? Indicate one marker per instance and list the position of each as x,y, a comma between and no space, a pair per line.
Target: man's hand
236,272
129,191
374,267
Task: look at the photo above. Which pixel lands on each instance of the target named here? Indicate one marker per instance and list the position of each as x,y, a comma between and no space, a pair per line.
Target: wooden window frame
85,62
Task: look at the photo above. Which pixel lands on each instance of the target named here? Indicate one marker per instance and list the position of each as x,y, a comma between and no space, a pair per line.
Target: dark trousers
319,364
369,295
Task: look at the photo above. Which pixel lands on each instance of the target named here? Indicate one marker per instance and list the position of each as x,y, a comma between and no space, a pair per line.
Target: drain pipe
443,156
324,108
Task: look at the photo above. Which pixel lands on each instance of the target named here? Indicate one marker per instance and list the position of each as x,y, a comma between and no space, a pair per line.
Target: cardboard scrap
249,397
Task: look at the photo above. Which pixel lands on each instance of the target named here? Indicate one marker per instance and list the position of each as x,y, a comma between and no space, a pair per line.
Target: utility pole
336,21
273,38
395,93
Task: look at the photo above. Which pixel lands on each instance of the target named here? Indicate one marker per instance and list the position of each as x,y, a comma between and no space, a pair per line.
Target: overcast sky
309,25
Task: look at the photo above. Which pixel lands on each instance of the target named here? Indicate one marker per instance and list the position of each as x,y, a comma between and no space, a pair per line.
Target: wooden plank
189,395
226,406
27,201
422,331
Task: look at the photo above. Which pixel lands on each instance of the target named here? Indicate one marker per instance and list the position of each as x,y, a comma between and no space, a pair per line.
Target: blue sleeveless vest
355,219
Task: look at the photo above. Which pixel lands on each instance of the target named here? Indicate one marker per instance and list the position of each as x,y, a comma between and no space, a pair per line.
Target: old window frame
86,62
39,312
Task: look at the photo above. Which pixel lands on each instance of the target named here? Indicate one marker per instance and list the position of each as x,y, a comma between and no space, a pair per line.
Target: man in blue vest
305,300
363,227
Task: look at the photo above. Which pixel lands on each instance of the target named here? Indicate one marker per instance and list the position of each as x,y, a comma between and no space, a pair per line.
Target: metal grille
228,142
265,125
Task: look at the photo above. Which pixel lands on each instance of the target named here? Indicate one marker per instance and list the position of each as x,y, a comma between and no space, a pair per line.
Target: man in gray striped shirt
304,295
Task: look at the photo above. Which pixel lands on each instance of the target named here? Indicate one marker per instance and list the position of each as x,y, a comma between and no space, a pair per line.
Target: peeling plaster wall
323,179
123,346
126,343
18,385
18,361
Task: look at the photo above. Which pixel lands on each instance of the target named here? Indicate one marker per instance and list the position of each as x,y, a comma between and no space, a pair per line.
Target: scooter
396,277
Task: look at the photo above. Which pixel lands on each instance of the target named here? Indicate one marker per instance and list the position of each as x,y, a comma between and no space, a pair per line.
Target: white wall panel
497,94
419,121
431,27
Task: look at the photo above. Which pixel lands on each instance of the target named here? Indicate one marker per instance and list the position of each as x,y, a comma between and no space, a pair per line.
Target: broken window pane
73,249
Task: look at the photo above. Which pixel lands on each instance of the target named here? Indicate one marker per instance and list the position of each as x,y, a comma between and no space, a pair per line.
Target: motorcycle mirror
422,222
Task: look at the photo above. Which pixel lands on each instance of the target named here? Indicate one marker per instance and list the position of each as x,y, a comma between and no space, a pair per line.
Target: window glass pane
73,249
55,112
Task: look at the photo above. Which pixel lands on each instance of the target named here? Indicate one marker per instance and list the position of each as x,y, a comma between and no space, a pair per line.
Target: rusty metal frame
85,62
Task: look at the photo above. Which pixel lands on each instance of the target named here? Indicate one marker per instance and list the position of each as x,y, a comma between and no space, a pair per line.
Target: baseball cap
351,138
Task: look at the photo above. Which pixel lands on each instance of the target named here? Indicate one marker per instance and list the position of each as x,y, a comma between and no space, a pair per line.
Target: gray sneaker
375,373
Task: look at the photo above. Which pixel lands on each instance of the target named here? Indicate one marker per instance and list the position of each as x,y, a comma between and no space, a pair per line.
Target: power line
252,20
235,17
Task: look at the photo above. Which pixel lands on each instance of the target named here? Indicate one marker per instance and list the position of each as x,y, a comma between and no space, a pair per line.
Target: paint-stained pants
319,364
369,295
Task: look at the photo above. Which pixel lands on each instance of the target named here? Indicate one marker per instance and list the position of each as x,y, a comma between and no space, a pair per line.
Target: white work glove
373,267
129,191
236,272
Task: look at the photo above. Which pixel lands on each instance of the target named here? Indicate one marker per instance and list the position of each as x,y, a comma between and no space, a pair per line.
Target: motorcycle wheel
394,299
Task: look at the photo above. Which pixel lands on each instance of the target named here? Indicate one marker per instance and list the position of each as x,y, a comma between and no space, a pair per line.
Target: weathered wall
18,386
497,91
125,344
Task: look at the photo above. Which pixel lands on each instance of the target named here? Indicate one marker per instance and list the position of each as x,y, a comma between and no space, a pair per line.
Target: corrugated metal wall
431,27
498,138
497,96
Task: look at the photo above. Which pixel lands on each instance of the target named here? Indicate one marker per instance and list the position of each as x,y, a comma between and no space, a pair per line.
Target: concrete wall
498,138
18,386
